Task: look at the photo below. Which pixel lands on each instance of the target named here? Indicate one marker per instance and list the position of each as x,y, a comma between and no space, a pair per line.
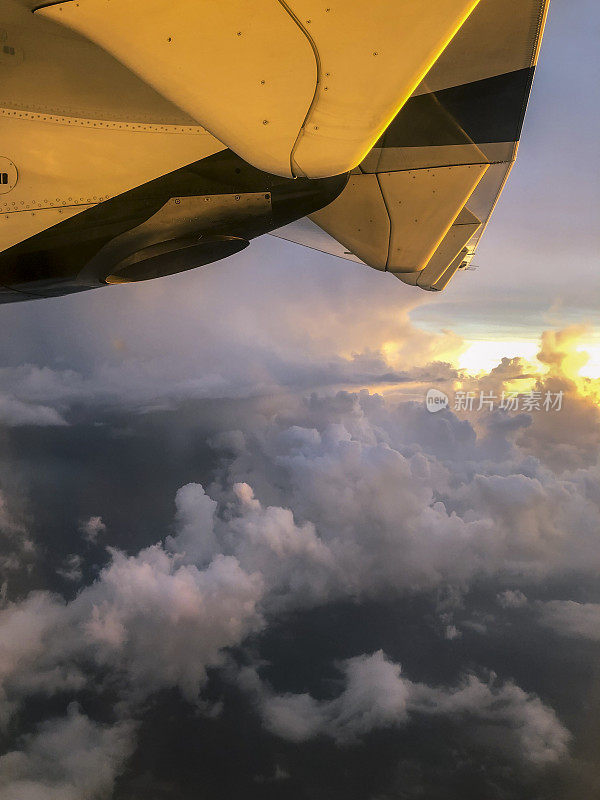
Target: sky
239,556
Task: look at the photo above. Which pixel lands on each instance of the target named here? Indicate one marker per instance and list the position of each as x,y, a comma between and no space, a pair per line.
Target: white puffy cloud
195,521
92,528
148,618
353,497
377,695
162,623
66,759
149,621
398,509
36,651
577,620
538,731
512,598
14,412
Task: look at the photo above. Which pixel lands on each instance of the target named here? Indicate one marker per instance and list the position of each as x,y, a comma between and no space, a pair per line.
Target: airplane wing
296,88
418,203
142,137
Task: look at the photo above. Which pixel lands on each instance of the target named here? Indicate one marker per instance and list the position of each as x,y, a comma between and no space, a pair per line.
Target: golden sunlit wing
396,220
146,138
74,139
418,203
294,88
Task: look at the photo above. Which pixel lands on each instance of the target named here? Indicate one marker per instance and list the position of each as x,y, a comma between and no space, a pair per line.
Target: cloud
557,350
289,333
536,727
445,510
574,439
377,695
151,620
66,759
13,412
331,498
71,569
161,623
576,620
404,500
343,496
17,549
92,528
512,598
36,652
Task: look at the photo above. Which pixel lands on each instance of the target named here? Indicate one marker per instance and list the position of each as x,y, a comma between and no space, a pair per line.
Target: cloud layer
314,500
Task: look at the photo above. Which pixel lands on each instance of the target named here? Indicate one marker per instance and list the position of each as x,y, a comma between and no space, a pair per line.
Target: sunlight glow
592,368
482,356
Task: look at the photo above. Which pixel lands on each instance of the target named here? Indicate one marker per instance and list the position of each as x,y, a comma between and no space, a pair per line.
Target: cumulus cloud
399,509
162,623
66,759
564,437
92,528
151,622
149,619
366,518
377,695
573,440
577,620
539,734
512,598
13,412
321,498
32,658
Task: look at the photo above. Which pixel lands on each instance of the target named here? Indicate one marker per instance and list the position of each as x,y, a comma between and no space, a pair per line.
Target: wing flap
423,204
450,252
394,221
359,220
